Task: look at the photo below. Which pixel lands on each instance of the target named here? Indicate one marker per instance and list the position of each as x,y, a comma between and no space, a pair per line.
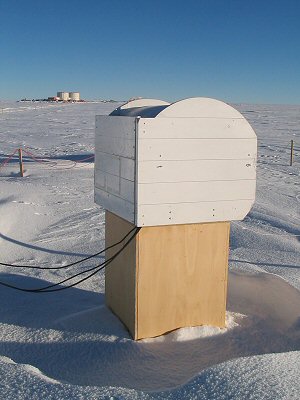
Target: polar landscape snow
68,345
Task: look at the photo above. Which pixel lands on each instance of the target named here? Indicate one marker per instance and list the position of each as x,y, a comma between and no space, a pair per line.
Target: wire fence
289,151
51,162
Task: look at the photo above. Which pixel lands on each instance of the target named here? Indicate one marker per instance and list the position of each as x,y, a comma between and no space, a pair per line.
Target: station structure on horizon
68,96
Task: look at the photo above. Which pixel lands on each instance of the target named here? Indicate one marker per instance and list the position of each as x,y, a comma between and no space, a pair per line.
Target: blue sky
233,50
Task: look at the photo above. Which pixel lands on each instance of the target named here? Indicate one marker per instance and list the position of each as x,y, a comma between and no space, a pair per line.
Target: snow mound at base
269,377
198,332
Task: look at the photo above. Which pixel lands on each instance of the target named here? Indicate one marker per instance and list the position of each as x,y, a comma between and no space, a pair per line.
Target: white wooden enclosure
193,161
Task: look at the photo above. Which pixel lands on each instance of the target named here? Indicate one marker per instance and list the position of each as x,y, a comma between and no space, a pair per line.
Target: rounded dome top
194,107
197,107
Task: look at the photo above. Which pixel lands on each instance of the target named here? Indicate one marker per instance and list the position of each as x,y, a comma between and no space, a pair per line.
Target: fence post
292,153
21,163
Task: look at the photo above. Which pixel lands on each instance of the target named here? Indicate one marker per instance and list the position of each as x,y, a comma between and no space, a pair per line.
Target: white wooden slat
115,126
115,185
188,213
115,165
112,184
193,192
127,170
115,204
99,180
193,128
196,149
107,163
115,146
195,170
127,190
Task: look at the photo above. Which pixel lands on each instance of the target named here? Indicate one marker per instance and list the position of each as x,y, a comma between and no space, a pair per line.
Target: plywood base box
168,277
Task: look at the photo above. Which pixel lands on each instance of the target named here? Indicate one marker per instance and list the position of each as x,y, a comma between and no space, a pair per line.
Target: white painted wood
117,127
107,163
127,190
195,128
115,164
199,107
112,184
99,181
115,146
197,149
115,185
195,170
194,162
173,214
127,170
115,204
193,192
143,103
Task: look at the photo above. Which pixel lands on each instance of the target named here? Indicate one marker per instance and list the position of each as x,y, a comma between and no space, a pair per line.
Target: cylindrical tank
63,95
74,96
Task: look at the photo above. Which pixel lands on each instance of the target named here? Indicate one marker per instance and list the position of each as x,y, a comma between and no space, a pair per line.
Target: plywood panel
196,149
195,170
120,275
168,277
195,128
182,277
187,213
193,192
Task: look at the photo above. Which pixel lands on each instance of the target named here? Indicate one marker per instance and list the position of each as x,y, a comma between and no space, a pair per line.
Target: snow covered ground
67,344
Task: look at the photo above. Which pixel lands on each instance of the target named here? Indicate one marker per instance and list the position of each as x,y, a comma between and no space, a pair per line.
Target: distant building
63,96
68,96
74,96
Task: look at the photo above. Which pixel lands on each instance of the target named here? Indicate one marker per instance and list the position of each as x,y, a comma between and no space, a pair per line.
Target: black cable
73,276
102,265
83,279
74,263
97,268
